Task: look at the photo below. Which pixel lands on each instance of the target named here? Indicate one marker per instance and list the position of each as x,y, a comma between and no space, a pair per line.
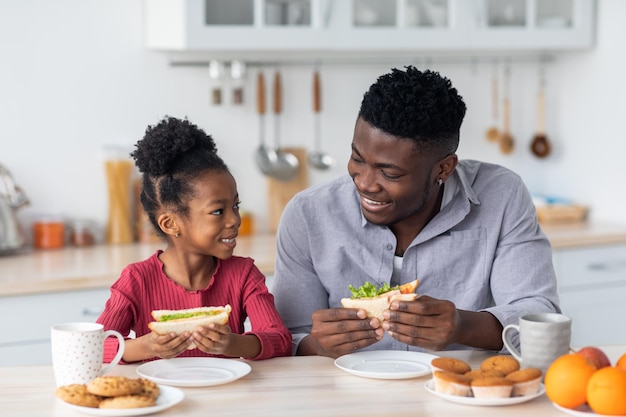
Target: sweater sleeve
118,314
265,321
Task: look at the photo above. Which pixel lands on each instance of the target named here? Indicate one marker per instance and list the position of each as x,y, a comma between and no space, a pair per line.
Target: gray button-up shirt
484,251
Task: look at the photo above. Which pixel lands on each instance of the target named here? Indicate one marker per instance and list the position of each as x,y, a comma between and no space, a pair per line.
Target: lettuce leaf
370,290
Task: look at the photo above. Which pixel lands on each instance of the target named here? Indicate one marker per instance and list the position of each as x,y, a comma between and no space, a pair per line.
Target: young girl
192,201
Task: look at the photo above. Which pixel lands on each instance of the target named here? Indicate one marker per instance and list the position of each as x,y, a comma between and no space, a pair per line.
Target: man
410,209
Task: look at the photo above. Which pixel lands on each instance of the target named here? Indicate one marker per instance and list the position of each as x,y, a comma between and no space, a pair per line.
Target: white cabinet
592,289
324,27
25,339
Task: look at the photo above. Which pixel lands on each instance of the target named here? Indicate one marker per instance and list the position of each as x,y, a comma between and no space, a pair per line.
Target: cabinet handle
93,311
607,266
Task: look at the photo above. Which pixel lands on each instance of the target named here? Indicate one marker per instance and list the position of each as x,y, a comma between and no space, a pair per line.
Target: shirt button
389,246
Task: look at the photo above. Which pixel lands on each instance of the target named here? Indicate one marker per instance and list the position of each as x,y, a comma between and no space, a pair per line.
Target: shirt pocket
458,263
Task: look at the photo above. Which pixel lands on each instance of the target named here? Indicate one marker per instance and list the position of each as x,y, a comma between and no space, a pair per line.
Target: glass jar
49,233
119,170
81,233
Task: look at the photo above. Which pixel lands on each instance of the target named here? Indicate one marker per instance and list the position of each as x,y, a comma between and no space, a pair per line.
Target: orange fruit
566,380
621,362
606,391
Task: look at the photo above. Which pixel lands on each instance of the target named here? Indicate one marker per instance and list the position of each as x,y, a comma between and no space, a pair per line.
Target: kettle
11,198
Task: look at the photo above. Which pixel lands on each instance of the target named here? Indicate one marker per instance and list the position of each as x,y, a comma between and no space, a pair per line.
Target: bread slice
374,306
189,321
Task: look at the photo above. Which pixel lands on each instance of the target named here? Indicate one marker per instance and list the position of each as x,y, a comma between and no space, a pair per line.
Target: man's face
395,182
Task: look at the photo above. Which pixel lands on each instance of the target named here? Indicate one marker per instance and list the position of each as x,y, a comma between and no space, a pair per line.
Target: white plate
168,397
582,411
430,387
386,364
194,372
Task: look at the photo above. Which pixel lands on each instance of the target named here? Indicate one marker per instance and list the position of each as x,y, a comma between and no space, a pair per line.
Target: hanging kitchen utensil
216,71
540,146
506,139
493,132
238,74
318,158
285,167
265,157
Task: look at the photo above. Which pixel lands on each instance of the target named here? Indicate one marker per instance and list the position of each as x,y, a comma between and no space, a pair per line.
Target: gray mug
543,338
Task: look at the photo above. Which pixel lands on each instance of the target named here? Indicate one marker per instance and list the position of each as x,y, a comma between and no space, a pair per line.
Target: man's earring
440,182
178,234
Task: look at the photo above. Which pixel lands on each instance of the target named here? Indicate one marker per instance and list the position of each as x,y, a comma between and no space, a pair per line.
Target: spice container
81,233
238,74
247,223
119,169
49,233
216,71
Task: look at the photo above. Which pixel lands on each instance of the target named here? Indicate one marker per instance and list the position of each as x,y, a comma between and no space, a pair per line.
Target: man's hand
426,322
434,324
338,331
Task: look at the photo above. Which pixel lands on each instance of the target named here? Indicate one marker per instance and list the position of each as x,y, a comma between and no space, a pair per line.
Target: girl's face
213,221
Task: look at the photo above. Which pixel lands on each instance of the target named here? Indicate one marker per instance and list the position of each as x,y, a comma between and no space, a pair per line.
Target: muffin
501,363
492,387
526,381
456,366
452,383
482,373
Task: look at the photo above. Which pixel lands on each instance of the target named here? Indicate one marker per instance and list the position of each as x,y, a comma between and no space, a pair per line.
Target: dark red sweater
143,287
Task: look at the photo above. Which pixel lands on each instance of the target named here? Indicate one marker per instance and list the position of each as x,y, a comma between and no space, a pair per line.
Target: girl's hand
167,346
215,339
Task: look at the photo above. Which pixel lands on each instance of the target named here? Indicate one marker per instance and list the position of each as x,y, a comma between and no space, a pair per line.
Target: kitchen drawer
37,313
586,268
26,354
597,315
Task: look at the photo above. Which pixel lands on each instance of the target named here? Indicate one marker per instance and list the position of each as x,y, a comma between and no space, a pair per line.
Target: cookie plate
168,397
430,387
194,372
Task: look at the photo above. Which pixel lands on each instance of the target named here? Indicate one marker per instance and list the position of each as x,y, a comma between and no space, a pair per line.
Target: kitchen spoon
265,157
540,146
317,158
285,167
506,139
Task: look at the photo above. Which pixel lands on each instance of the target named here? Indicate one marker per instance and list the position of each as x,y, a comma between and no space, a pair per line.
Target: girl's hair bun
163,145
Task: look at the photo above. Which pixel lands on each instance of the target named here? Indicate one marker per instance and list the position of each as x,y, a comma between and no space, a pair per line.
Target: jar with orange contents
247,223
49,233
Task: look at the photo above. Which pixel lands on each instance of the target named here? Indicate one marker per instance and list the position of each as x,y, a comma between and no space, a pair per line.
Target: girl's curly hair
421,106
170,156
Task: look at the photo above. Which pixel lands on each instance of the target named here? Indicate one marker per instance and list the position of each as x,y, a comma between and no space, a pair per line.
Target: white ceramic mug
77,352
543,338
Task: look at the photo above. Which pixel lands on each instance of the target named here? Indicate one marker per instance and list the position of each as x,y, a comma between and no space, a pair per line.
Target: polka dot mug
77,352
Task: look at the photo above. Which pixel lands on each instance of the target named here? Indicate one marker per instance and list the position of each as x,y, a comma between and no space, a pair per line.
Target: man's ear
167,223
447,165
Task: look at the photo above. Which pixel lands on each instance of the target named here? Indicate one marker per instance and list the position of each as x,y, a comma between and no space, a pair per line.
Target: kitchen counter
290,386
77,268
44,271
563,236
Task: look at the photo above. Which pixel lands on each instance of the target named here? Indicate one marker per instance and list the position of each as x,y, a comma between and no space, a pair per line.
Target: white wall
75,77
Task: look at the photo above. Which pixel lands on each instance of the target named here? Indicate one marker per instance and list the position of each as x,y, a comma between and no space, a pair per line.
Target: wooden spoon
540,146
506,139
